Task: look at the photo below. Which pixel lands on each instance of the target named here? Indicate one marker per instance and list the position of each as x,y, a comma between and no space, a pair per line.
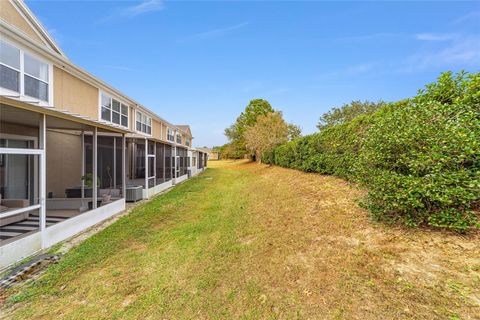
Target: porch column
175,154
95,160
155,163
114,162
83,166
43,180
124,171
146,167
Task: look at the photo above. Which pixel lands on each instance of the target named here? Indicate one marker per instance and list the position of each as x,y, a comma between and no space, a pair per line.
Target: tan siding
132,119
64,162
156,129
10,14
164,133
12,128
75,95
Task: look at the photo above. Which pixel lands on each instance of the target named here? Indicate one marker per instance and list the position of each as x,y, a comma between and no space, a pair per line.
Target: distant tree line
258,129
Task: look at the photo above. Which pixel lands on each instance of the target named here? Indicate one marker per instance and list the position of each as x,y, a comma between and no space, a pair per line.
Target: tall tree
294,132
235,133
269,131
348,112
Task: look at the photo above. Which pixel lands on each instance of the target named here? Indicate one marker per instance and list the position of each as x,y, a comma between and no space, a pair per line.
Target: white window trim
21,96
173,134
144,115
176,138
100,92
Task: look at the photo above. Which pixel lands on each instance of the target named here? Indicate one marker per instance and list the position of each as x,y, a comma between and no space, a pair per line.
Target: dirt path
247,241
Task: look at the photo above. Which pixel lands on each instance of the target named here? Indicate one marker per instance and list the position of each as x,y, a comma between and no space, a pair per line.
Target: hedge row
419,159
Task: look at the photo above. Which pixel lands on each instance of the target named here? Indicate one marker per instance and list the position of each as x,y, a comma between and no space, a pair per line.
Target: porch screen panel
200,160
151,172
139,169
168,162
105,163
19,180
118,163
88,174
182,153
19,184
160,158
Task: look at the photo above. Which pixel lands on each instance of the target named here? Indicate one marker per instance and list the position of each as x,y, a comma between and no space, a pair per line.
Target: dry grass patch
343,265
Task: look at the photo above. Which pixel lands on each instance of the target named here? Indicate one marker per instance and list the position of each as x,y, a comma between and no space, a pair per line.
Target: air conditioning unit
134,194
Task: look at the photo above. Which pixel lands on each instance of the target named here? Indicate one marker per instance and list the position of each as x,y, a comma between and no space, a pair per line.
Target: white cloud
463,52
370,37
144,7
436,36
216,32
471,16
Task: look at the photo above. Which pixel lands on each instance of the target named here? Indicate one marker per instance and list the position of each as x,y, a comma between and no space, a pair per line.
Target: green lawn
246,241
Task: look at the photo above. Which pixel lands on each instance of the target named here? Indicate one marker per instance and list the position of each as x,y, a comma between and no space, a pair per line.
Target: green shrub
419,158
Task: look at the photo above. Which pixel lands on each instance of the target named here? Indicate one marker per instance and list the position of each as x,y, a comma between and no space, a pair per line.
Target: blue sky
201,62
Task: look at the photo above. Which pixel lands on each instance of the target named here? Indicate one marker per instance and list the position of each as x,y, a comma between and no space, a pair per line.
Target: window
143,123
113,111
179,138
170,136
187,142
35,78
30,78
194,161
9,67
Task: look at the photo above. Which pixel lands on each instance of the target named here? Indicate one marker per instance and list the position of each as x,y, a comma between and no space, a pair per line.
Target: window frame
176,138
170,133
20,95
100,103
143,115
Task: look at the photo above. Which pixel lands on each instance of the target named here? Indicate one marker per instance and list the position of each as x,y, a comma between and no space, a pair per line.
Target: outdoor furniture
114,193
76,192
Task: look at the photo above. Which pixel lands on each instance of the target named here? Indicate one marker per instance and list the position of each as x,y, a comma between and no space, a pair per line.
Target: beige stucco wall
64,162
73,94
11,15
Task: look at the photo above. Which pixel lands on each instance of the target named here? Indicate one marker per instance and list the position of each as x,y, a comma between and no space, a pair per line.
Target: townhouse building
73,149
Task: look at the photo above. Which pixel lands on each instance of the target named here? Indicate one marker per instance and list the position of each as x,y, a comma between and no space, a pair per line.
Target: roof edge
36,23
